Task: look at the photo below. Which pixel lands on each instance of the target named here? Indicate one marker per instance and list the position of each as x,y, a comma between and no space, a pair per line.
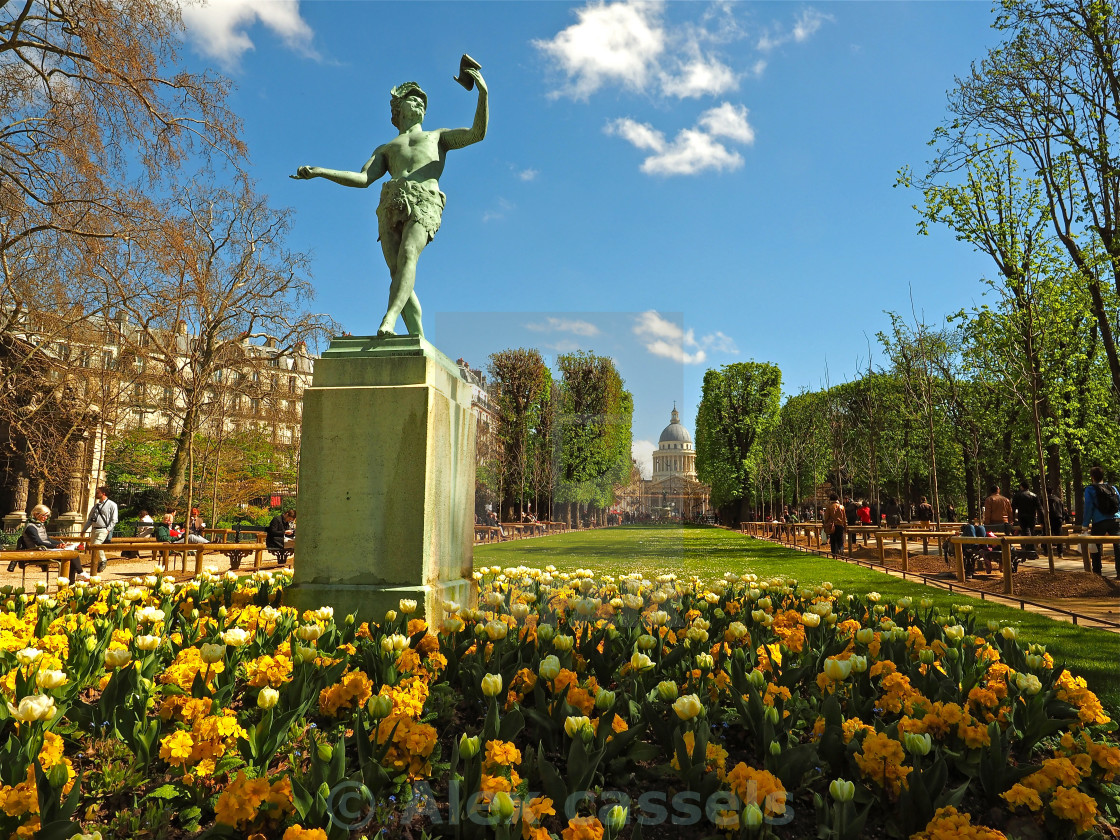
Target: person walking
925,513
1102,516
835,522
100,523
1027,508
892,512
997,511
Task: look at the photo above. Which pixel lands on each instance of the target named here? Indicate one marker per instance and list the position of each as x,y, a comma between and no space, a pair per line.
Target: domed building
673,490
674,455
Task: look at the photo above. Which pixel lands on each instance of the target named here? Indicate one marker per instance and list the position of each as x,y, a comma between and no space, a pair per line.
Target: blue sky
678,185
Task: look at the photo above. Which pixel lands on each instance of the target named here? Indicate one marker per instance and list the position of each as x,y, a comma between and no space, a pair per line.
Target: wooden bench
487,533
257,532
904,535
44,559
164,551
1005,543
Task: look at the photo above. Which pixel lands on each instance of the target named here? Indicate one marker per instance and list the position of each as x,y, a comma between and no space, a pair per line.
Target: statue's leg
390,248
411,315
413,240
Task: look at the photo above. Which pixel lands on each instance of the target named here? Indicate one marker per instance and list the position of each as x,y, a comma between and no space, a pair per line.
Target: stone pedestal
15,521
69,524
386,480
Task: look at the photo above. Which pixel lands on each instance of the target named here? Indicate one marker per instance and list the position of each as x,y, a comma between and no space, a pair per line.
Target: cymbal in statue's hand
303,173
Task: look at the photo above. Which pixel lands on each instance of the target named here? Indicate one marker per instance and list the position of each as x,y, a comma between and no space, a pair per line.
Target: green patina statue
411,205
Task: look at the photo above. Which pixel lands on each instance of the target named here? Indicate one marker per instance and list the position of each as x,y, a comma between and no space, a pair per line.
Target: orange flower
583,828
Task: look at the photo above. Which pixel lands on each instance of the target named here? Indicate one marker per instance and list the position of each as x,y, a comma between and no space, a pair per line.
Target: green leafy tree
595,419
1051,92
522,386
738,406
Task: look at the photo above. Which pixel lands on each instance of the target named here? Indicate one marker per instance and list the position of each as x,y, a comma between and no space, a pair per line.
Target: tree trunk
1075,501
177,479
969,483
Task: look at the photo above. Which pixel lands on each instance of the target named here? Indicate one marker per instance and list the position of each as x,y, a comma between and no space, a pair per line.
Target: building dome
675,432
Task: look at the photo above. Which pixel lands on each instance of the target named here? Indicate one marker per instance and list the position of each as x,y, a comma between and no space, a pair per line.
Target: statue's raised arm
457,138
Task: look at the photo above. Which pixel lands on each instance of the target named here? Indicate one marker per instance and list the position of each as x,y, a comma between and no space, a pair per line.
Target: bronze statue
411,205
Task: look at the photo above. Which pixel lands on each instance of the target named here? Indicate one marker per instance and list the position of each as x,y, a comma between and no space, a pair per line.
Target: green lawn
710,552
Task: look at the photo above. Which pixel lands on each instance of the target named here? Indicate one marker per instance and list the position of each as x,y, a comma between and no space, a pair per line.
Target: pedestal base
386,480
370,603
69,524
15,521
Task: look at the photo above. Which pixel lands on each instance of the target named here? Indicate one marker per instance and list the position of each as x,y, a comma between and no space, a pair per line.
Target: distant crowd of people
1021,514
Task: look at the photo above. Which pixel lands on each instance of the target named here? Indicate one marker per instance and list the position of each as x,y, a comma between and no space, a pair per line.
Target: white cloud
571,325
728,121
642,453
669,340
218,27
499,212
700,76
527,174
664,338
627,43
611,42
641,135
720,343
805,26
693,150
808,22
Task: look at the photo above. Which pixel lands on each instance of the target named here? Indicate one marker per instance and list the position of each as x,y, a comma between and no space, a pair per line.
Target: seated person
281,530
195,524
34,537
165,532
146,525
968,530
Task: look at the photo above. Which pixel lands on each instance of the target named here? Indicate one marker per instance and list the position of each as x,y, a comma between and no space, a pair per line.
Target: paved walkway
128,569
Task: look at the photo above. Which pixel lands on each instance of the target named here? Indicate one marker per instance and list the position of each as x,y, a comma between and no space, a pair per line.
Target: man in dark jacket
280,529
1027,507
1058,517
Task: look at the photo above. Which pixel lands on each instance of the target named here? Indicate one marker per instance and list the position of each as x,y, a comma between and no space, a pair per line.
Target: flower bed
564,706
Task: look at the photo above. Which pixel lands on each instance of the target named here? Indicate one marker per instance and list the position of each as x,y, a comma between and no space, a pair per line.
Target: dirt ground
128,568
1032,580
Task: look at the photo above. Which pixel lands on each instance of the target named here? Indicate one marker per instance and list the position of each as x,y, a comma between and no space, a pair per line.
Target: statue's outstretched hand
303,173
477,76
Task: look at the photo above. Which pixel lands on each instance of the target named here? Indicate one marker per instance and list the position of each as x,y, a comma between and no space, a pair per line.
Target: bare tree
203,289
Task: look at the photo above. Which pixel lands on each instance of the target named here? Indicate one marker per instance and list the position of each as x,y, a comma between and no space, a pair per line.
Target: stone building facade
99,382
